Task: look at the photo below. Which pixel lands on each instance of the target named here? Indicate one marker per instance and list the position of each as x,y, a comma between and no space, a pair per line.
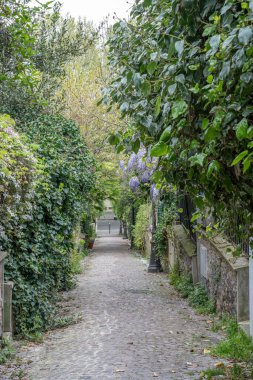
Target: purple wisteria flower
141,165
134,183
154,193
142,152
122,166
145,176
132,162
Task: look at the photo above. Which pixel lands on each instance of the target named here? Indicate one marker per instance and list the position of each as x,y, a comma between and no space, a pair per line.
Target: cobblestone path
134,326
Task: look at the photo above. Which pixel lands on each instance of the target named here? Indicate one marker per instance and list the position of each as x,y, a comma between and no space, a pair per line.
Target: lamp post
154,262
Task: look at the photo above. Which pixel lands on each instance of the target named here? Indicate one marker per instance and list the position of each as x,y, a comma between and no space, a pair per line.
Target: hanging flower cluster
140,168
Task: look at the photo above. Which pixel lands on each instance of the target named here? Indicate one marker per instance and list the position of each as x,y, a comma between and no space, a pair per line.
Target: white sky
96,10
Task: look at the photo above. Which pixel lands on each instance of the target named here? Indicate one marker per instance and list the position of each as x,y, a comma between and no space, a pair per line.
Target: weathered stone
7,317
2,257
227,277
183,252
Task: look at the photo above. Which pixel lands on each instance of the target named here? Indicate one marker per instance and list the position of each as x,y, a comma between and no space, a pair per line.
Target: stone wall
182,252
225,276
2,257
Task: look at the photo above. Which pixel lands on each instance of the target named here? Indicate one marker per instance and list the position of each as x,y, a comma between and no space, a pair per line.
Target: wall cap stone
3,255
226,250
184,239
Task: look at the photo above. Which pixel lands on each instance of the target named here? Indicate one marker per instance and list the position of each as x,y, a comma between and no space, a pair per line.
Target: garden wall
212,263
225,276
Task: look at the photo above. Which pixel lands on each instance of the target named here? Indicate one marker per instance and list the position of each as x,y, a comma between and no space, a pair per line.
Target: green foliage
36,43
183,283
237,345
166,219
209,373
6,351
39,238
200,300
141,226
196,294
188,65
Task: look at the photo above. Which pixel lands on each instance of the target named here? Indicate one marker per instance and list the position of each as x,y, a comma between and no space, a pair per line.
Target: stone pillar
251,292
7,317
2,257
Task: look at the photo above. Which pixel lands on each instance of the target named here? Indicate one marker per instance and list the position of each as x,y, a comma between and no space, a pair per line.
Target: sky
95,10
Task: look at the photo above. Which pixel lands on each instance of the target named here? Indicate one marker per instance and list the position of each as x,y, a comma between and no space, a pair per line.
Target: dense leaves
186,68
41,240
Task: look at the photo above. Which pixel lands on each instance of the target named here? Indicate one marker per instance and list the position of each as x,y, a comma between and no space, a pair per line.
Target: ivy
39,237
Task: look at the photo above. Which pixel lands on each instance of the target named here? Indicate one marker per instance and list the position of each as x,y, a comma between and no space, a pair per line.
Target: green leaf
195,216
113,140
160,149
158,106
136,146
250,132
214,166
245,35
146,88
241,129
124,107
166,134
147,3
180,78
198,159
137,80
151,67
172,88
179,107
195,89
214,42
205,123
210,134
239,157
246,164
179,46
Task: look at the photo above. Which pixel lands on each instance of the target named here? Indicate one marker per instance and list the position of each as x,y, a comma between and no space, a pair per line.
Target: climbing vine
39,239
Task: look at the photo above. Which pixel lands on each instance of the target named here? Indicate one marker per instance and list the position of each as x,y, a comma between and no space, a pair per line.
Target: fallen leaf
219,364
207,351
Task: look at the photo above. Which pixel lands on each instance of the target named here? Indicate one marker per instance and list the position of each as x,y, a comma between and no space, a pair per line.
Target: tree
182,71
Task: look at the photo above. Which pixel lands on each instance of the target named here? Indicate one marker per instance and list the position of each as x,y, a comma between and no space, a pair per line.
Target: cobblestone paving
134,326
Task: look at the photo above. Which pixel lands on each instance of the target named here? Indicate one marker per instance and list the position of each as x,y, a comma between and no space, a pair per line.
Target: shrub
141,226
40,237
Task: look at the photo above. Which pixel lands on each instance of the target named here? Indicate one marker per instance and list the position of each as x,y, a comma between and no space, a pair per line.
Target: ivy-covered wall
48,178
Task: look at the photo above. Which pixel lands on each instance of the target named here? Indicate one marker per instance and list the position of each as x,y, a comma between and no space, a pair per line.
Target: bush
39,238
237,346
196,294
141,226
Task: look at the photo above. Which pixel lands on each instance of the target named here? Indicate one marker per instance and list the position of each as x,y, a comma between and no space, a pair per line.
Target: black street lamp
154,262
